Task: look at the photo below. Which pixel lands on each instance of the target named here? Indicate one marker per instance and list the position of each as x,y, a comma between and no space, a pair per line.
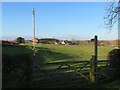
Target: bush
114,63
114,57
13,68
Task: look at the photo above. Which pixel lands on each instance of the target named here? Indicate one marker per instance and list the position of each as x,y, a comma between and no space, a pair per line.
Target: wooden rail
68,63
74,62
79,67
82,65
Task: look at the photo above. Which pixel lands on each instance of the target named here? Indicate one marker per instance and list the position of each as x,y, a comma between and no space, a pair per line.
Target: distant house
67,42
56,43
36,40
62,42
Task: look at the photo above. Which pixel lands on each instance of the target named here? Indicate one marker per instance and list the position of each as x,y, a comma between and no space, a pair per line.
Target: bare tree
113,16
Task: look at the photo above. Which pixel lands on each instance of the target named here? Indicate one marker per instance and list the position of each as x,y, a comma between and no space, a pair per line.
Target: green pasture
78,52
59,52
49,75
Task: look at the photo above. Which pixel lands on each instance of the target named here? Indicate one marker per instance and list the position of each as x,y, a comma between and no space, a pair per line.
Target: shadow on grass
49,76
46,55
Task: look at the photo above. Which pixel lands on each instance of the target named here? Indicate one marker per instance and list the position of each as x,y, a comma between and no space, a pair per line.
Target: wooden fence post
96,51
93,71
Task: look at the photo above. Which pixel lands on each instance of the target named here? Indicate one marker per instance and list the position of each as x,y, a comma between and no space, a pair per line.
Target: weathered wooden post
93,70
96,51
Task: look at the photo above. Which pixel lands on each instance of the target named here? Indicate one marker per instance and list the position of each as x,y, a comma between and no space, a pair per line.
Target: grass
49,75
52,52
82,52
14,50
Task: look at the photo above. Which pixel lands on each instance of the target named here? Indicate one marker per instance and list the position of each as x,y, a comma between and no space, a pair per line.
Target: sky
58,0
61,20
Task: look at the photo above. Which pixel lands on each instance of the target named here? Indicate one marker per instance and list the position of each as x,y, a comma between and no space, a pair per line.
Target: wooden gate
88,69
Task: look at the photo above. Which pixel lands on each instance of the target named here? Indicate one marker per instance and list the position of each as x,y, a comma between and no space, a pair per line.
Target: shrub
114,63
13,68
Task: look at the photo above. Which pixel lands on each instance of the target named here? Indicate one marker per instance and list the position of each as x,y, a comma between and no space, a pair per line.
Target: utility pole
33,26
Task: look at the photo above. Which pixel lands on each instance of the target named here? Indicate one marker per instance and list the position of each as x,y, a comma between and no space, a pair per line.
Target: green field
49,76
80,52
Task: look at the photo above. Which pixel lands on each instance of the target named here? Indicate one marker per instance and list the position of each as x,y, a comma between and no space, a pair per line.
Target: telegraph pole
33,26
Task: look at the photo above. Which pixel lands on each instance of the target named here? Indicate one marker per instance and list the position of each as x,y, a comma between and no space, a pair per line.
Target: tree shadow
49,76
45,55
